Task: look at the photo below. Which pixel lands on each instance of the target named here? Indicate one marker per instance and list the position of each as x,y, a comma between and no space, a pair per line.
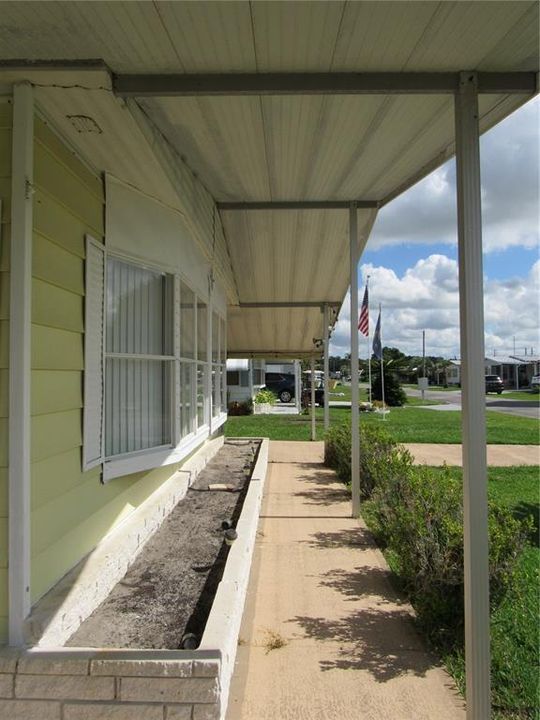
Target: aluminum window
152,362
139,357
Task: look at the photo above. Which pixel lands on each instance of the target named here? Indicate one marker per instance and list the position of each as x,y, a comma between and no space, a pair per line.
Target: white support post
298,384
471,308
326,345
250,377
312,376
355,412
19,361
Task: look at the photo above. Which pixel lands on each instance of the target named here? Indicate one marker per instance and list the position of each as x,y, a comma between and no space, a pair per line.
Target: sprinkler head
226,524
230,536
189,641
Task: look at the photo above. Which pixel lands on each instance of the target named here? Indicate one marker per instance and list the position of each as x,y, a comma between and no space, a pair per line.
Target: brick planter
45,683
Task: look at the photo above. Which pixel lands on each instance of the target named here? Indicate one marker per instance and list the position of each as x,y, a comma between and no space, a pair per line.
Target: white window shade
93,354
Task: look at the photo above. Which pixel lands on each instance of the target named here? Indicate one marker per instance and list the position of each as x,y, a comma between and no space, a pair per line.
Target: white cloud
510,193
426,298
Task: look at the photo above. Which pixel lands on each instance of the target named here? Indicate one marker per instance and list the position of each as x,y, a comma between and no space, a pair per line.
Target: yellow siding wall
5,197
71,510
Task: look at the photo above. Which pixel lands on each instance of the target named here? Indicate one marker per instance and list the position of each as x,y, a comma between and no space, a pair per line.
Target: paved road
524,408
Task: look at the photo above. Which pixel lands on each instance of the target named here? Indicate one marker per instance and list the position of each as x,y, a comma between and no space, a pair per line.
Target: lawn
406,425
514,625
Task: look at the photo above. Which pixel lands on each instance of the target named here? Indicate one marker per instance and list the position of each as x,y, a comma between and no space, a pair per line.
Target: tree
394,395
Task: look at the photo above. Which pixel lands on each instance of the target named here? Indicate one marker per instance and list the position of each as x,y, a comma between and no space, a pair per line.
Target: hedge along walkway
324,635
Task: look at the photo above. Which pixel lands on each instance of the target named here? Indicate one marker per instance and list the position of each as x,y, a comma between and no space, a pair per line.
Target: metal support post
471,309
298,384
312,376
250,377
355,411
19,360
326,344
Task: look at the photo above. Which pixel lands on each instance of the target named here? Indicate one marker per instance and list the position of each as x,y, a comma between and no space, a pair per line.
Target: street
523,408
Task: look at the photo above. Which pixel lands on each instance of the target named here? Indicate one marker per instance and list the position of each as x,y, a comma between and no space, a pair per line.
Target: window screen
139,358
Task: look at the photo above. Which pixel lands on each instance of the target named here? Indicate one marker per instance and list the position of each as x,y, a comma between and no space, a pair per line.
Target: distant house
512,370
509,369
530,366
453,373
244,379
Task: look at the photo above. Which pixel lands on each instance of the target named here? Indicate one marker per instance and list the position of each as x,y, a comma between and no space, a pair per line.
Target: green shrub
379,454
394,394
418,516
416,513
240,408
265,396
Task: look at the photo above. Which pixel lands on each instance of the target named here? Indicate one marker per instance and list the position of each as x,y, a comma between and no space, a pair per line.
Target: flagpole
382,363
369,346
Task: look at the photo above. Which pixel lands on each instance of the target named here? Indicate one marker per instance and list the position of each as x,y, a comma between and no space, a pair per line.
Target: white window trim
179,449
154,458
174,399
89,463
218,421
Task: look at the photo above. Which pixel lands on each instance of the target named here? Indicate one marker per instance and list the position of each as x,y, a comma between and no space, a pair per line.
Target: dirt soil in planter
169,589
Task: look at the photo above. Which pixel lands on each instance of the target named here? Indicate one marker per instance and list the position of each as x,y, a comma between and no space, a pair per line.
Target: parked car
306,389
535,382
282,384
494,384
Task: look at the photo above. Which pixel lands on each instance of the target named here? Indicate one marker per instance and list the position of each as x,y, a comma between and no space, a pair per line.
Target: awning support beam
355,416
326,348
337,83
312,403
471,310
20,361
292,304
248,205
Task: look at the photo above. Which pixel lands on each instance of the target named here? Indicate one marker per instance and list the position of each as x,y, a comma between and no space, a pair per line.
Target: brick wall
87,685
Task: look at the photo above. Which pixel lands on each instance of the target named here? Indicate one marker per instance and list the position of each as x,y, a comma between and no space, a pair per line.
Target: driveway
523,408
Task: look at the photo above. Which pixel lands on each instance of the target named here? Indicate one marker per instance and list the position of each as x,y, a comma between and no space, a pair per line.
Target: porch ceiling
289,147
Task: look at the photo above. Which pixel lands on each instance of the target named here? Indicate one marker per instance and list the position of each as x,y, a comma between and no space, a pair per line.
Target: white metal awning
266,102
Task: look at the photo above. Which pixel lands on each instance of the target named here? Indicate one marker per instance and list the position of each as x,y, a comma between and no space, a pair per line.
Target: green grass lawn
407,424
514,624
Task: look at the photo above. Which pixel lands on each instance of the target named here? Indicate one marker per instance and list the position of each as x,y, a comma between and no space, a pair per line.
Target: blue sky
411,256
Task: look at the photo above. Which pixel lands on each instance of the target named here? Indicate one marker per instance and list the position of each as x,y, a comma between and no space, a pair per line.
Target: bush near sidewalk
415,513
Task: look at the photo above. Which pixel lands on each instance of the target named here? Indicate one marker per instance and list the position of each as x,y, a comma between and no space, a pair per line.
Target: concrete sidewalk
497,455
324,635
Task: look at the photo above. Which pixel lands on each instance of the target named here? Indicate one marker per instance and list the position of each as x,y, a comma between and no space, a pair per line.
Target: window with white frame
223,363
219,372
139,358
202,364
188,359
149,349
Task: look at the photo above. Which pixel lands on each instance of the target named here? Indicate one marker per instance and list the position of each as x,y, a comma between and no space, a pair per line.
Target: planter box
57,683
262,408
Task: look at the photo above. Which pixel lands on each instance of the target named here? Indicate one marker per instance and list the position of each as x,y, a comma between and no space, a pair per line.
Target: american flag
363,320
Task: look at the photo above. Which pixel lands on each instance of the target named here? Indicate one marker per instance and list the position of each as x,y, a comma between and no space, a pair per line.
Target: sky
411,256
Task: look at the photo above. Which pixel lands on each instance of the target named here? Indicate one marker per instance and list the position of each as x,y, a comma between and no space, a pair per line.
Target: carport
301,120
